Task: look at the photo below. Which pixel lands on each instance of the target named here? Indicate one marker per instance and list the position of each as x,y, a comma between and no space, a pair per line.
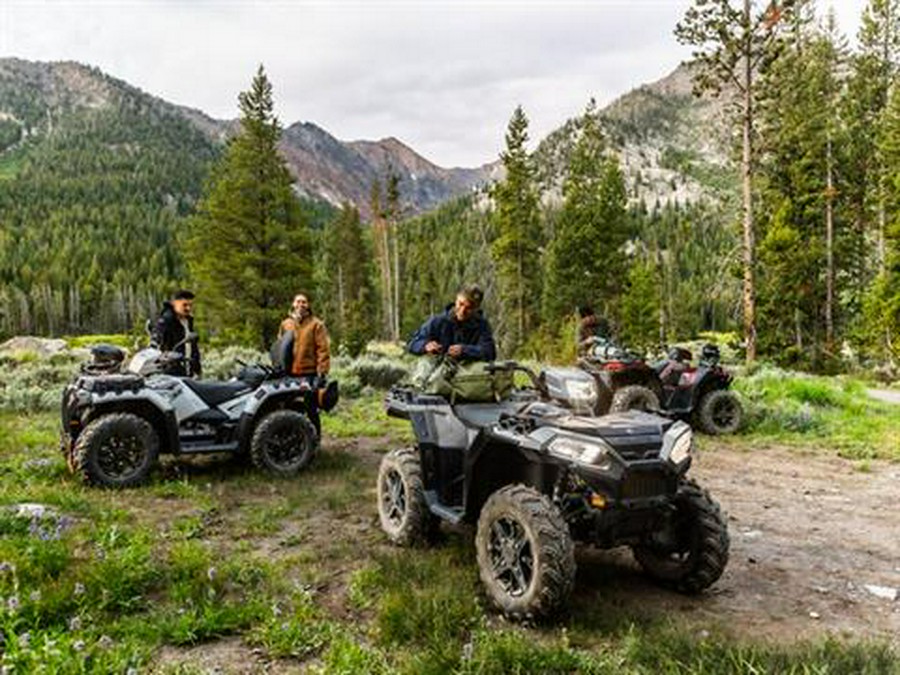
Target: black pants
312,404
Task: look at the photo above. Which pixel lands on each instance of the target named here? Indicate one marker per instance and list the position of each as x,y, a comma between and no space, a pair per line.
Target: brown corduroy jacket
312,351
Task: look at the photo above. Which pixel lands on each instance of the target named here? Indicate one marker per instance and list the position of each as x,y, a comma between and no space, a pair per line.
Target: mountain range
36,97
666,139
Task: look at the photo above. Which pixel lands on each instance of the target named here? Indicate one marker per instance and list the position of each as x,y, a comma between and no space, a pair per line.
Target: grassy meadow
295,575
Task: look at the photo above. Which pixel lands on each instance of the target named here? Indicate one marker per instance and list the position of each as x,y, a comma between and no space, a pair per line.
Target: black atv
701,393
536,477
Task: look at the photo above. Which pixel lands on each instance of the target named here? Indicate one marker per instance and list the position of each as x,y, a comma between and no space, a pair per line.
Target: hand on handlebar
455,351
433,347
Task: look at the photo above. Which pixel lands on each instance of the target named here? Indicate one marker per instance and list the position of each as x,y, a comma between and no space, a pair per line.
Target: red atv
700,394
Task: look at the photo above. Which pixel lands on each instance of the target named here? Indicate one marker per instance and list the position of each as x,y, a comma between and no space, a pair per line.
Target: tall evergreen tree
872,72
386,214
733,40
799,132
249,249
641,307
516,249
879,52
586,264
881,311
348,293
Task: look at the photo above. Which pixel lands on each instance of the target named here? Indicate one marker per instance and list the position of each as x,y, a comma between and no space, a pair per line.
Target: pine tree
732,44
873,69
641,307
386,214
799,129
249,249
516,248
348,293
881,311
586,263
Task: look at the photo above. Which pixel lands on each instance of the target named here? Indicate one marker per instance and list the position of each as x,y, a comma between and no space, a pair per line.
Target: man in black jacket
174,323
461,331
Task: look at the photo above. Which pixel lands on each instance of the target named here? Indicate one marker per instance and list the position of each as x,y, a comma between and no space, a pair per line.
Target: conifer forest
793,245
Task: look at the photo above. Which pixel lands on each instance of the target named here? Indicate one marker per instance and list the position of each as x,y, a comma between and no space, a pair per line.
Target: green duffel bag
430,376
474,382
462,381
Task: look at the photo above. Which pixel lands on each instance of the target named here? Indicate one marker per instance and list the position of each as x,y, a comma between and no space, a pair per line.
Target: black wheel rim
286,447
120,456
724,413
511,557
393,498
674,547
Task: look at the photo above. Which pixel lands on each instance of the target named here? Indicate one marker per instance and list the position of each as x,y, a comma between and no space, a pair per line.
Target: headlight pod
678,443
582,392
592,452
571,387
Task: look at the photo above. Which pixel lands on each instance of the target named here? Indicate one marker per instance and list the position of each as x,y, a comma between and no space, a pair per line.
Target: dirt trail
886,395
808,534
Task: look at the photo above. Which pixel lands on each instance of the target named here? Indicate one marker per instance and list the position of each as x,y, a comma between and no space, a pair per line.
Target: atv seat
481,415
214,393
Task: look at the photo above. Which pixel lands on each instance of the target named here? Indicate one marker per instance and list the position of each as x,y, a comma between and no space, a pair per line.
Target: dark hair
472,293
309,300
585,310
183,295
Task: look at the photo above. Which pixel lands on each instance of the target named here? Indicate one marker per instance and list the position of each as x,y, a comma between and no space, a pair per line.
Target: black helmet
710,354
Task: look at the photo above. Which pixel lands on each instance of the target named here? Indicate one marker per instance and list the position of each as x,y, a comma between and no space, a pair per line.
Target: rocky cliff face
339,171
671,144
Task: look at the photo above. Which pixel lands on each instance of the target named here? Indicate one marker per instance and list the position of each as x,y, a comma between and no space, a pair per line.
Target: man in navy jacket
461,331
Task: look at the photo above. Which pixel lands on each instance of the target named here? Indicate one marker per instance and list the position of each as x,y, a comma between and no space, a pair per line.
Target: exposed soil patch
228,656
808,534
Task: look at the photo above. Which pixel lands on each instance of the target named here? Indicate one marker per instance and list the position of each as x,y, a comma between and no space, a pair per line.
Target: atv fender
162,421
293,398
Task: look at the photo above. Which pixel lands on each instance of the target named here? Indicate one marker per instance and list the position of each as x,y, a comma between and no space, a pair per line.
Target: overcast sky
443,76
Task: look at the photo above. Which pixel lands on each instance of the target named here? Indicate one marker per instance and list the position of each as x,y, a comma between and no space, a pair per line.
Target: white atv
117,421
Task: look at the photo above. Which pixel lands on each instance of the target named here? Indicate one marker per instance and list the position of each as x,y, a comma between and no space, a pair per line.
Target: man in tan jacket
312,351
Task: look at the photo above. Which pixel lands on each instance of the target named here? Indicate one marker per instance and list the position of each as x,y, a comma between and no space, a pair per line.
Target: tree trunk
829,256
395,327
520,292
749,291
882,222
387,291
342,317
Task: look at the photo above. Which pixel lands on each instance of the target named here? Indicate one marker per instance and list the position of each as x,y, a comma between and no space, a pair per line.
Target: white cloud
441,75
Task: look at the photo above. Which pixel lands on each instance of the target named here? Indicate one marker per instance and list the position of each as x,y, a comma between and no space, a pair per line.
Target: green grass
298,569
10,165
831,413
365,417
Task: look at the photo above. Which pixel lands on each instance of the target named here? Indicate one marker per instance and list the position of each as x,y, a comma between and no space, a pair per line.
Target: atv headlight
582,393
592,452
571,387
678,443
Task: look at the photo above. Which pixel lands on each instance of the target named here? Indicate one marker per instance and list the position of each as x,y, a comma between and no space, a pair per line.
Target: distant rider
591,329
460,331
312,350
174,323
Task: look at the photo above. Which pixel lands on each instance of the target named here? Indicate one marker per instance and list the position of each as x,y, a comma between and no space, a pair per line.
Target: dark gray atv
536,476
